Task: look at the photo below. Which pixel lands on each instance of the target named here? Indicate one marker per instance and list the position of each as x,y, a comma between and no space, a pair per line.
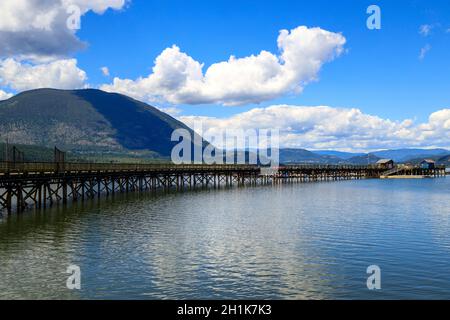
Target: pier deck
40,184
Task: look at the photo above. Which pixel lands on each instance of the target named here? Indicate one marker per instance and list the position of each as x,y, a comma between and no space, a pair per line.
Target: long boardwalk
34,184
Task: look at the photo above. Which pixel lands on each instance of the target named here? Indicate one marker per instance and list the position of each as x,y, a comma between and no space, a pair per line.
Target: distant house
385,163
428,164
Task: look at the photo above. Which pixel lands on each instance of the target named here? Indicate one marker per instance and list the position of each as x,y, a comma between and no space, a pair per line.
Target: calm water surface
283,242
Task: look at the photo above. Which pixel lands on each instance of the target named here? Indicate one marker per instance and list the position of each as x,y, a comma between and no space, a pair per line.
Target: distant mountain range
336,157
339,154
403,155
305,156
93,124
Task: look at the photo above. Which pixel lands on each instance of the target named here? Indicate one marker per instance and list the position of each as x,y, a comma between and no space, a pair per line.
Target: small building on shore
428,164
385,164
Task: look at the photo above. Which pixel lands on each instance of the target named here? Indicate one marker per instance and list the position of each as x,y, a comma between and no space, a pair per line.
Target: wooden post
9,199
64,187
40,196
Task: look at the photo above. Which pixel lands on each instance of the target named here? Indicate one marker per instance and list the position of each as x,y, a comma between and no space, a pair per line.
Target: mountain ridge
87,120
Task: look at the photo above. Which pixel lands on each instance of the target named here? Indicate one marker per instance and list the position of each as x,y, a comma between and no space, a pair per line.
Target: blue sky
311,69
381,72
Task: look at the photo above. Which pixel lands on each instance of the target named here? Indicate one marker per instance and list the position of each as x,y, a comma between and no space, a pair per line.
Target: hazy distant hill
444,160
398,155
304,156
339,154
440,160
402,155
337,157
363,159
86,121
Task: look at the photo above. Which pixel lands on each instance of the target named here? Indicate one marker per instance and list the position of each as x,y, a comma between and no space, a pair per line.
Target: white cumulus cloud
59,74
179,79
425,29
105,71
323,127
5,95
98,6
173,111
37,29
424,51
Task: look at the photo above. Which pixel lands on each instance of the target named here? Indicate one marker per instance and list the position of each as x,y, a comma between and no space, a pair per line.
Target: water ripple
285,242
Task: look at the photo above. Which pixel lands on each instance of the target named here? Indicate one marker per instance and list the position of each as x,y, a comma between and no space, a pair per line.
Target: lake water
293,241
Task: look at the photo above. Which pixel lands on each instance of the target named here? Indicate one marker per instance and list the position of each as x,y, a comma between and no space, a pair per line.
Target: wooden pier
413,172
38,184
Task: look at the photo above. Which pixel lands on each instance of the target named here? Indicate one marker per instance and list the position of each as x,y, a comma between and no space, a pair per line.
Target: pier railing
51,167
80,166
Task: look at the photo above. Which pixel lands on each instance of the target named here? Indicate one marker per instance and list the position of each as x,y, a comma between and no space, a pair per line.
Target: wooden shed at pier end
385,164
428,164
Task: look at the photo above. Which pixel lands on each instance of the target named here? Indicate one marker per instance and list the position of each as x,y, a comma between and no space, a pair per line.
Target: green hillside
87,122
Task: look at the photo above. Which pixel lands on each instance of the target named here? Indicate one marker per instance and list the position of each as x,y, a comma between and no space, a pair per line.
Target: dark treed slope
86,120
